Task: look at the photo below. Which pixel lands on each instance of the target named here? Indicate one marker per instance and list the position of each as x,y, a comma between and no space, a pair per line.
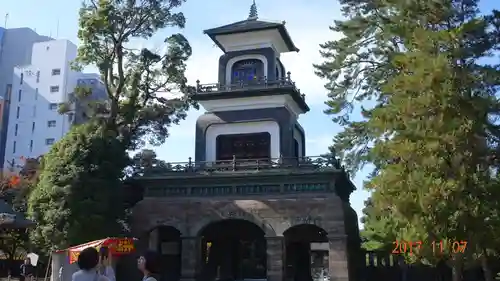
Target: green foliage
429,124
15,189
147,89
78,197
146,163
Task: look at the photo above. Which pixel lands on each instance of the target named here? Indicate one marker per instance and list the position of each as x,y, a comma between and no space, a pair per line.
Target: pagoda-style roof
251,25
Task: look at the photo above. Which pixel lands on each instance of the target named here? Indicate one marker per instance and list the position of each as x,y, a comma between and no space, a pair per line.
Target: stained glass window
247,70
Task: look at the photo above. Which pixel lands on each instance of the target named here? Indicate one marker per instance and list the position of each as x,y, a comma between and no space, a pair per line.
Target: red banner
117,247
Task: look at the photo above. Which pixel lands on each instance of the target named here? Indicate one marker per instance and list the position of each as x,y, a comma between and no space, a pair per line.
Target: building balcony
242,166
260,86
241,177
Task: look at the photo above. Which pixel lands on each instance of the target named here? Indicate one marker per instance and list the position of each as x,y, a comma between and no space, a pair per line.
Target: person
105,263
148,264
88,260
61,271
26,270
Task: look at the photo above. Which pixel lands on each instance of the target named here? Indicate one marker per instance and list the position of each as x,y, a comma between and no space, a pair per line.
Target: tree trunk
488,274
456,269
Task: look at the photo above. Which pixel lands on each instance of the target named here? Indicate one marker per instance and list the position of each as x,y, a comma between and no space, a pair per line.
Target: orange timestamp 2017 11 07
437,247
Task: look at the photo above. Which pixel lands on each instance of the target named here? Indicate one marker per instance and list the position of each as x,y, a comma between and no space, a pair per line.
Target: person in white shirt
105,263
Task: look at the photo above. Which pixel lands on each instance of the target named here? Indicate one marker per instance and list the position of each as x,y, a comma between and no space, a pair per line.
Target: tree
431,131
79,189
147,89
15,189
146,162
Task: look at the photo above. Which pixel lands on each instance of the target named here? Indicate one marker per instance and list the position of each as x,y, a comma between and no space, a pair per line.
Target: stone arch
234,60
314,232
233,249
306,247
167,241
263,225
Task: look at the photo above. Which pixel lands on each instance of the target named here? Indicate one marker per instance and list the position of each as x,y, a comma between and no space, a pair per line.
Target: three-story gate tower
251,204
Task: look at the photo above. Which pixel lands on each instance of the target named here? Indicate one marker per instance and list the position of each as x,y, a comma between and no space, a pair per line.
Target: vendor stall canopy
117,247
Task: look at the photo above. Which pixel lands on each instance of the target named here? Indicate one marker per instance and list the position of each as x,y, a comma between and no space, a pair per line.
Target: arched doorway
233,249
166,240
306,253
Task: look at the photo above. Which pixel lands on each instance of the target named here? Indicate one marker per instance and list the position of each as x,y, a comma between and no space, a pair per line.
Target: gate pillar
189,258
337,259
275,256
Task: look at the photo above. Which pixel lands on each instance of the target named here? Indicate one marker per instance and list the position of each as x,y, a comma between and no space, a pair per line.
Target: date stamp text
437,247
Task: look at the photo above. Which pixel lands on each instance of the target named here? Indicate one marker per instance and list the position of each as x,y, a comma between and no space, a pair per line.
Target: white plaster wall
253,40
245,103
215,130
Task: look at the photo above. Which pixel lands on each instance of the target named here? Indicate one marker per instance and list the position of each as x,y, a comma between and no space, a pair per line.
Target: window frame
222,143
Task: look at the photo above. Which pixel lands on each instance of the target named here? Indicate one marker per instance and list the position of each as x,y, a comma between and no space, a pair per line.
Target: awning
117,247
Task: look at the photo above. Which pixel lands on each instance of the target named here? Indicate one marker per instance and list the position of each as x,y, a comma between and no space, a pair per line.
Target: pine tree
431,131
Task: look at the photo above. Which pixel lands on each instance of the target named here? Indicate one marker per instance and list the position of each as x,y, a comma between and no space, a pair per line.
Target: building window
18,112
22,78
34,111
16,129
247,71
51,123
31,145
14,147
53,106
56,71
54,89
49,141
243,146
33,127
8,92
38,76
296,149
20,97
36,94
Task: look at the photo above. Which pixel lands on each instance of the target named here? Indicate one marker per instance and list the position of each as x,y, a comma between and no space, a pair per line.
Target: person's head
104,255
88,259
148,263
27,261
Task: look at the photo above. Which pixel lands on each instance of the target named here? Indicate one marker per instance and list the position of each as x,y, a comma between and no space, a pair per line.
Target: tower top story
252,33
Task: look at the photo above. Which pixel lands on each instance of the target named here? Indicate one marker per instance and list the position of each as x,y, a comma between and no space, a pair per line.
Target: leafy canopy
416,71
79,189
147,89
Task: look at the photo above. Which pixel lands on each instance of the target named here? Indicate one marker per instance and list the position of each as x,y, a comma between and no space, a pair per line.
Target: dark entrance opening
306,253
167,241
244,146
233,250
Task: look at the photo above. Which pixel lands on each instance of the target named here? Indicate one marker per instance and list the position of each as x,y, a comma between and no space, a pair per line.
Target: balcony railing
314,163
256,84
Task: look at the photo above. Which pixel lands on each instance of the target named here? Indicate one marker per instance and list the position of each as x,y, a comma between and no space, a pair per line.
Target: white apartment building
16,46
37,90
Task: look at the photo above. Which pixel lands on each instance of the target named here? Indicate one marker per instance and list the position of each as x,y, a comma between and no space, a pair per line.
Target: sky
307,22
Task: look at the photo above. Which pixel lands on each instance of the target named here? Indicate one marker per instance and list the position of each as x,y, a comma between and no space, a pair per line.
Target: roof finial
253,15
